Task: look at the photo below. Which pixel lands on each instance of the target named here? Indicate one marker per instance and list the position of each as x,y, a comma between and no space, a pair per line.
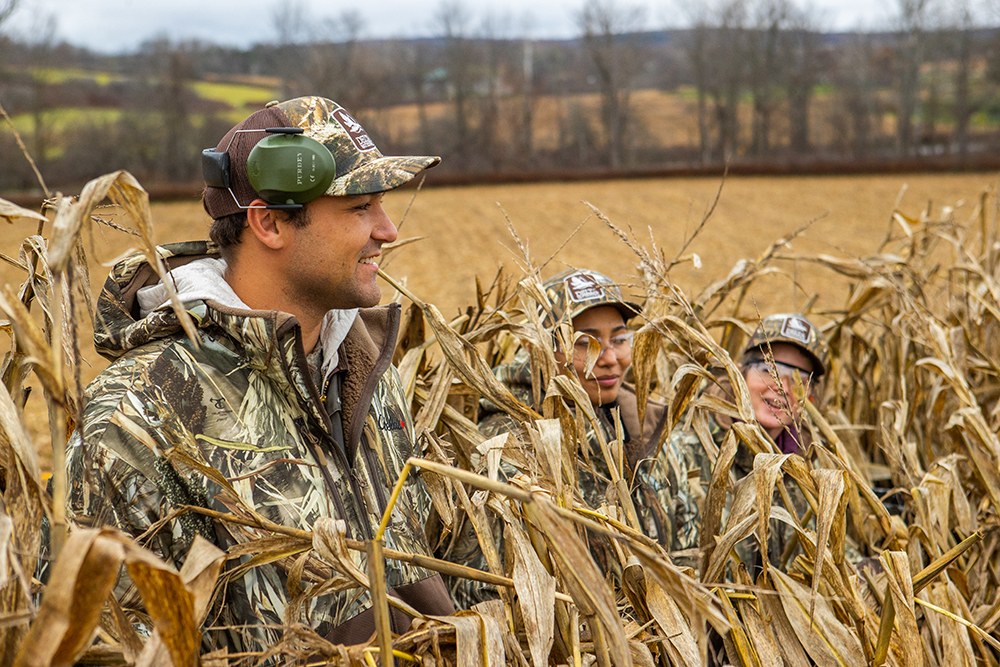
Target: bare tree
803,50
698,55
766,66
43,41
606,26
911,23
332,66
527,100
854,79
496,36
971,93
416,64
178,150
288,18
452,20
727,73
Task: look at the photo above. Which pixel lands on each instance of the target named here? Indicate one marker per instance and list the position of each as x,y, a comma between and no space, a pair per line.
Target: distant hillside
637,102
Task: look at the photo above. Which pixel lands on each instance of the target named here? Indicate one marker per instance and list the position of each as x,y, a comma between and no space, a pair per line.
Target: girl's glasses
620,343
784,371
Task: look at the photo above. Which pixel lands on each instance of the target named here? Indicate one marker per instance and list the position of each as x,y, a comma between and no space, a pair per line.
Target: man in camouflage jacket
288,391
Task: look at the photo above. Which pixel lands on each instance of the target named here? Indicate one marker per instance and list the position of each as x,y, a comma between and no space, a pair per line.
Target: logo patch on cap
582,287
797,329
358,136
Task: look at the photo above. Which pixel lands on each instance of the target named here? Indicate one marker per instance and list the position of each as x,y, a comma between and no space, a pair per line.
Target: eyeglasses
786,372
620,343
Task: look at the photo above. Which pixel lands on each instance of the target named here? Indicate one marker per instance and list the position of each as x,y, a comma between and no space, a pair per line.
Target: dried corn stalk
910,421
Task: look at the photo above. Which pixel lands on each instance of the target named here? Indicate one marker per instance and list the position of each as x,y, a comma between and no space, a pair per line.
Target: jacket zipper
357,483
317,447
356,479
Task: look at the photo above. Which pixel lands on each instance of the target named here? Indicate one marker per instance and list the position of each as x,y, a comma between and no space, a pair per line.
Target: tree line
746,81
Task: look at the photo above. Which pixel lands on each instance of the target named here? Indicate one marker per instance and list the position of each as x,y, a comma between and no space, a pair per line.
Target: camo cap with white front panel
361,167
796,330
576,290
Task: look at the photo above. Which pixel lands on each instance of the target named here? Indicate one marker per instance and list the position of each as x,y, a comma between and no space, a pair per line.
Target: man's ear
266,225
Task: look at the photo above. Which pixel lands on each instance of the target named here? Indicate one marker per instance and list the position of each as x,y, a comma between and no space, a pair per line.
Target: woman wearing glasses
601,355
598,350
783,351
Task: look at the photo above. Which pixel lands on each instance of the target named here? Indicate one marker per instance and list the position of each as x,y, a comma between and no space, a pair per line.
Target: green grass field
239,96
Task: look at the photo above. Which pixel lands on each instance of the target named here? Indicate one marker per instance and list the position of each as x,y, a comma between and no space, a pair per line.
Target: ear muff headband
286,168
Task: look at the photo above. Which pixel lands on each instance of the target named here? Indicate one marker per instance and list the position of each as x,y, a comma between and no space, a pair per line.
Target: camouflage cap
796,330
576,290
361,167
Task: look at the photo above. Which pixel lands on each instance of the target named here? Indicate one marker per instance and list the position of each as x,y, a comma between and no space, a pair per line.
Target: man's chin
369,297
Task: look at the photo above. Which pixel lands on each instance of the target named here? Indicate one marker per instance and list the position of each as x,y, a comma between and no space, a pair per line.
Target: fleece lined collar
205,280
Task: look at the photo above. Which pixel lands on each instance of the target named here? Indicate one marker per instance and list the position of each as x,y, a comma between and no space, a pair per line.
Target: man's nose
384,230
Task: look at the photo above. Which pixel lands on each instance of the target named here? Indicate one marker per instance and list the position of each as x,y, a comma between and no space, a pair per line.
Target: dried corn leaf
17,437
581,577
536,595
760,635
832,515
478,639
824,637
909,652
13,213
171,606
715,499
330,542
680,641
79,584
766,472
33,341
686,383
644,349
785,634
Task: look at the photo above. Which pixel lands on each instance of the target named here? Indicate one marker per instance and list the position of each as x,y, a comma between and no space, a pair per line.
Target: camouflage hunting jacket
651,483
167,414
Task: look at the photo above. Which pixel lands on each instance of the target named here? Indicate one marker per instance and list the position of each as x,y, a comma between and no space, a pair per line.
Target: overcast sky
120,25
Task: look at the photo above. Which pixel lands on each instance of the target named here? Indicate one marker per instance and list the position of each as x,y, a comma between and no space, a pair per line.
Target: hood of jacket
134,309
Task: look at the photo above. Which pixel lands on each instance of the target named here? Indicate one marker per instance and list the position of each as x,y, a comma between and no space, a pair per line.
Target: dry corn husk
913,390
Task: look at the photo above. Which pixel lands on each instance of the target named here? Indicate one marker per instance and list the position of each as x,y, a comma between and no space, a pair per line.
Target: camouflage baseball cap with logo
576,290
361,167
796,330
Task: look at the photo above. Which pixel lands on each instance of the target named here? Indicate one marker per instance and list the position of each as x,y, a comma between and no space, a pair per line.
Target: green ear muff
290,168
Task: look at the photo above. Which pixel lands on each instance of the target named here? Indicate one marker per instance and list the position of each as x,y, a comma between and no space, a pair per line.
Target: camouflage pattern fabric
361,167
796,330
684,464
576,290
244,404
656,479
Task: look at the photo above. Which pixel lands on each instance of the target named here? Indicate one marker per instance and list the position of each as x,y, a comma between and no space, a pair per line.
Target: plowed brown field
464,232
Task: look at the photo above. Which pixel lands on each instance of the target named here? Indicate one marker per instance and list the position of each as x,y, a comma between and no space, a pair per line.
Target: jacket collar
197,273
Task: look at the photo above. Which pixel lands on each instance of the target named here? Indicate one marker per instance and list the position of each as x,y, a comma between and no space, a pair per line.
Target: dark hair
226,231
